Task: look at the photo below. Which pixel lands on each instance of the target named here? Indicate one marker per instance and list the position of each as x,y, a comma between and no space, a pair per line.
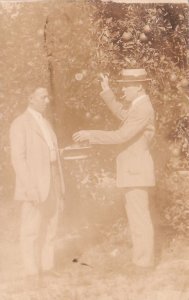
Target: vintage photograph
94,150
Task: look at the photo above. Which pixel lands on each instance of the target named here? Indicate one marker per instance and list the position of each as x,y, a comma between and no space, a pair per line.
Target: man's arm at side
18,158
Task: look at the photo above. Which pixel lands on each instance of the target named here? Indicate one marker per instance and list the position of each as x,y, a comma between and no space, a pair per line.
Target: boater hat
133,75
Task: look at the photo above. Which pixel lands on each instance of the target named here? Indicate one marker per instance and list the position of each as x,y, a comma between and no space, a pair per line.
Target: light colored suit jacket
134,163
30,158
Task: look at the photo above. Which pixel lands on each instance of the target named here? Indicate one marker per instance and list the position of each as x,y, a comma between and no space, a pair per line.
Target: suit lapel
33,124
127,115
51,131
134,107
35,127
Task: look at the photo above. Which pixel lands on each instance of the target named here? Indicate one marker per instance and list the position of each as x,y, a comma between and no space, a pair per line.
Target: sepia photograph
94,150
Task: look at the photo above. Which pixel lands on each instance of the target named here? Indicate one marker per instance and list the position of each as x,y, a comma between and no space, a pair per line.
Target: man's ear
30,99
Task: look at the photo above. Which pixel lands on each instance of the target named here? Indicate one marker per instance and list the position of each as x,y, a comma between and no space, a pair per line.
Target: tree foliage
106,37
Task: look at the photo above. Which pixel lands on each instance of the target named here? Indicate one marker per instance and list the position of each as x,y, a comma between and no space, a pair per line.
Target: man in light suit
39,184
135,169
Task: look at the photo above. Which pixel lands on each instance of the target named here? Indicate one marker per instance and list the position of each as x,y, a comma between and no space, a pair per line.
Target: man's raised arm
109,98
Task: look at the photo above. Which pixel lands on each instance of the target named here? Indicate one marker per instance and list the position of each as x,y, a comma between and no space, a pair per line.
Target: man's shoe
134,270
32,282
143,271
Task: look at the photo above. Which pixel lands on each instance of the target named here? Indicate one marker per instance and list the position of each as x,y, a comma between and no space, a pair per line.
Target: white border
117,1
148,1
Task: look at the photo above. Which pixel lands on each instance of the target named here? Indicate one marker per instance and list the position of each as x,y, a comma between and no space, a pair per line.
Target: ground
95,264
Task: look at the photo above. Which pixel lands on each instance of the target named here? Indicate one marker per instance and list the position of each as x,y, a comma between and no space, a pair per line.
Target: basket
76,151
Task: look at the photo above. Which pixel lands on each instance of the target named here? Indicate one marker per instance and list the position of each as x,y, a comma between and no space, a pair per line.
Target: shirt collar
34,112
138,99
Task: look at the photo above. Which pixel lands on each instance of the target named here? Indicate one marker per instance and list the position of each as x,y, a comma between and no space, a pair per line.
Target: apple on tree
147,28
79,76
173,77
143,37
96,118
88,115
184,82
127,36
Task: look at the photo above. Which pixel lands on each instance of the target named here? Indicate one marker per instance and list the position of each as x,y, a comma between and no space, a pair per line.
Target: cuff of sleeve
104,92
90,137
107,95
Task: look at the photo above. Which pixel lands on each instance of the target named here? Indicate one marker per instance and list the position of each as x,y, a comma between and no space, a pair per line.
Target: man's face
39,100
130,93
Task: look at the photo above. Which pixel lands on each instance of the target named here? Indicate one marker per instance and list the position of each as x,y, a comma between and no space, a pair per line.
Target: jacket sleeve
18,154
135,123
115,106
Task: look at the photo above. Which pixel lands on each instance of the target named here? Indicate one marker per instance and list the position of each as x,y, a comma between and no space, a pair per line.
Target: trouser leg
49,224
48,246
30,224
142,233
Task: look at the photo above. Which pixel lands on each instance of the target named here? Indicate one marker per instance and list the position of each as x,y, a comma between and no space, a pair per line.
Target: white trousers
140,224
37,239
38,230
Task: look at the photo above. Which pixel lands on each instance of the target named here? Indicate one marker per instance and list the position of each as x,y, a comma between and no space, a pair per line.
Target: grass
101,270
